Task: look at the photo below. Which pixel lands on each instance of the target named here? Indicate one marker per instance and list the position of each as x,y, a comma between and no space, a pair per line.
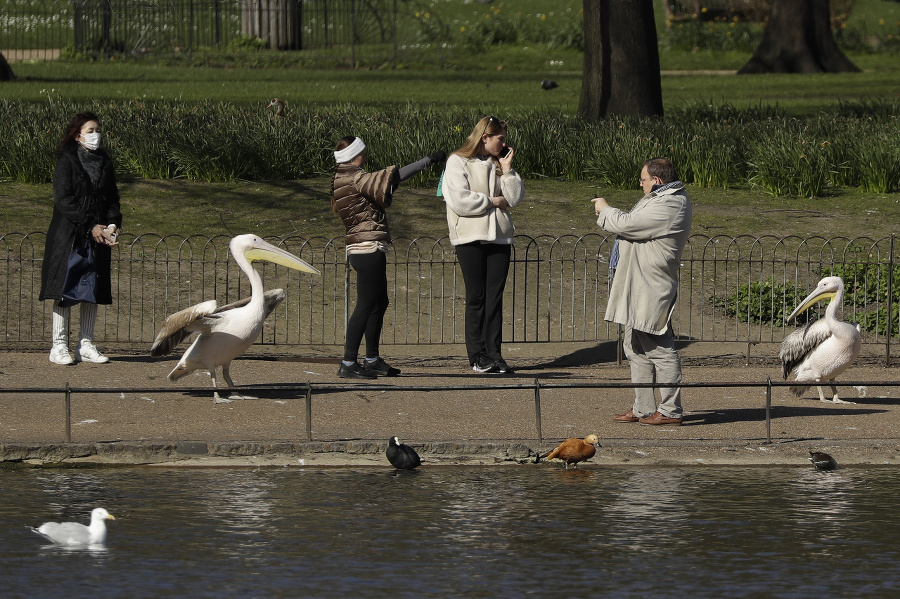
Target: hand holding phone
504,152
112,234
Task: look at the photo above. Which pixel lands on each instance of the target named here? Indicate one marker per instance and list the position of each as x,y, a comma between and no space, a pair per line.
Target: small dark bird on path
822,461
279,107
572,451
549,84
402,457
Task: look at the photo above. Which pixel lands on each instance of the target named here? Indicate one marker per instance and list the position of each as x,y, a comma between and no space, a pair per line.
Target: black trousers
484,268
371,304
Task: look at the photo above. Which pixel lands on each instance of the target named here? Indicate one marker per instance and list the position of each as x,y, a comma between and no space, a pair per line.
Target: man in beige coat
651,238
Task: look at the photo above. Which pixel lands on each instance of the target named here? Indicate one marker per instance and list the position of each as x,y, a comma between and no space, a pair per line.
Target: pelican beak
263,250
816,296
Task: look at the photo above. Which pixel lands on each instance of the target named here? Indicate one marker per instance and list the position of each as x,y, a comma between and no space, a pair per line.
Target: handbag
81,275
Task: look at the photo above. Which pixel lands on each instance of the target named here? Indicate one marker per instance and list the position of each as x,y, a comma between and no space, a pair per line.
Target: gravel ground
127,412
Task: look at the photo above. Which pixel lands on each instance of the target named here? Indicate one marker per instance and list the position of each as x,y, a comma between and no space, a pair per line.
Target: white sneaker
87,352
59,354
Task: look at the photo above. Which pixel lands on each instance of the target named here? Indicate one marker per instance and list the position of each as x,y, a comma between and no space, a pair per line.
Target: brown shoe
626,417
658,418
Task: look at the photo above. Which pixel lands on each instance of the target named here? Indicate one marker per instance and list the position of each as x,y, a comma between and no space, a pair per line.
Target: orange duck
572,451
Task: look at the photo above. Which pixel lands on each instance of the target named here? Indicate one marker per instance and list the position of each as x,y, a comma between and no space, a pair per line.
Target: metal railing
306,391
42,29
731,289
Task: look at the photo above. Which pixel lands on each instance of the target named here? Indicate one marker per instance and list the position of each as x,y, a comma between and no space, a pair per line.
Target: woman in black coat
86,220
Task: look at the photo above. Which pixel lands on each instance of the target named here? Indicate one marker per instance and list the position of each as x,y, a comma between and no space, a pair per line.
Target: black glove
439,156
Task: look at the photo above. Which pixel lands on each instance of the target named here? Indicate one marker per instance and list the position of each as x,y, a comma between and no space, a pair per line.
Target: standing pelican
824,348
227,332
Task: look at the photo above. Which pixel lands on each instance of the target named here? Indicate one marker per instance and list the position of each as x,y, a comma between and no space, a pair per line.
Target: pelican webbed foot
837,399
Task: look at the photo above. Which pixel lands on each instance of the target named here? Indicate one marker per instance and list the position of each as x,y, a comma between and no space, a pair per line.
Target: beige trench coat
652,237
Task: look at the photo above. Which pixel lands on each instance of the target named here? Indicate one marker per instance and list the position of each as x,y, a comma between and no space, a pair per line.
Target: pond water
457,532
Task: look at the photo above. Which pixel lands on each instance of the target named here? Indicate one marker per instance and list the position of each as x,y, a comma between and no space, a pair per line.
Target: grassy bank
554,208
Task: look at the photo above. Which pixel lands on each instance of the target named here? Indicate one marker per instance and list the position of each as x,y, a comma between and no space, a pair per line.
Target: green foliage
789,159
866,283
712,146
865,290
247,42
721,35
762,302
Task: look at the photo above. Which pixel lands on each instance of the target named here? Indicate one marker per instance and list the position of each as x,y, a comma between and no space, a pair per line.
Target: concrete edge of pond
357,453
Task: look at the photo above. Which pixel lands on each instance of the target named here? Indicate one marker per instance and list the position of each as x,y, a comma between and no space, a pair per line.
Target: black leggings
371,304
484,267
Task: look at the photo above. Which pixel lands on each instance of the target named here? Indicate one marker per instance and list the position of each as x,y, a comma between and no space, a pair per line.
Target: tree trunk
276,21
6,73
621,60
798,39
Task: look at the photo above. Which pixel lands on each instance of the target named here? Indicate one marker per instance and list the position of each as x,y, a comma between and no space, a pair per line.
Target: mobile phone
504,152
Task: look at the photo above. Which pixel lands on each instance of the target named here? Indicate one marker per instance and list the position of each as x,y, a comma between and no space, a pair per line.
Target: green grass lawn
481,90
498,80
281,208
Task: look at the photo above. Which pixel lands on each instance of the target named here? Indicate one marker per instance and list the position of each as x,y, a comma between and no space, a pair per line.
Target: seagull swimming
76,534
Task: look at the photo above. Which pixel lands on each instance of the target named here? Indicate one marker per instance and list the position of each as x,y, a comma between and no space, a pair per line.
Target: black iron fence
732,289
46,29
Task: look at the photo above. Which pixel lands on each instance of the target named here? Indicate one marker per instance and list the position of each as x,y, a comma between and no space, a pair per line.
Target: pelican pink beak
255,248
826,289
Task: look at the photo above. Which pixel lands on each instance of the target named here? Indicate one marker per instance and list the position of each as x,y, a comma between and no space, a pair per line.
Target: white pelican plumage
225,333
824,348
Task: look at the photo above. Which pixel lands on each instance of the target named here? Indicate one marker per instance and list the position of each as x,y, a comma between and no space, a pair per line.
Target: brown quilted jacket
360,198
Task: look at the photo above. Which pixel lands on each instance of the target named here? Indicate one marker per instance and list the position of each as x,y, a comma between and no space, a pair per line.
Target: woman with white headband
360,199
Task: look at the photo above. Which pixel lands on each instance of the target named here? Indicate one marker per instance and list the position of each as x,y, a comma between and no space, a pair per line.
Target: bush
765,302
711,145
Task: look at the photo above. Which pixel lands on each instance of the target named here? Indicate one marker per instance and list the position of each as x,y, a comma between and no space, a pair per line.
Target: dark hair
344,142
662,168
73,129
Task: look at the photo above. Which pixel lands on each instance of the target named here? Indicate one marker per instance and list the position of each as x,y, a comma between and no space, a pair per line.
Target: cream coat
467,186
651,239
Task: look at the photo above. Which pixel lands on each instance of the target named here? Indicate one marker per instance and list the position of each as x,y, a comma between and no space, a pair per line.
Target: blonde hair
490,126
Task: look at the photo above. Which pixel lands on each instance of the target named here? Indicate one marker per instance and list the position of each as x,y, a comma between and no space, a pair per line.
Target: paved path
140,417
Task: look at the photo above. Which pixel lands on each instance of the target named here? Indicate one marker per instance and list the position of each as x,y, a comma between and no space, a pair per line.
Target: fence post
619,347
537,409
78,26
68,413
890,304
768,409
308,411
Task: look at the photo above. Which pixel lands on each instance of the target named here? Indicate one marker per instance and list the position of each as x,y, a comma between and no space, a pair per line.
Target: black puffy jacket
360,198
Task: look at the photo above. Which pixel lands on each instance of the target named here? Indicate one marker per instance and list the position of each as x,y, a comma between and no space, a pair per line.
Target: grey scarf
92,163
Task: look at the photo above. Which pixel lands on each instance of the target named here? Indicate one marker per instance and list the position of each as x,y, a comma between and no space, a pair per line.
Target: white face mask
91,141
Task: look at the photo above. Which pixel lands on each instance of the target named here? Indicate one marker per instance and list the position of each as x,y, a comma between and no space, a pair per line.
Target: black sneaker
481,363
355,371
380,367
502,366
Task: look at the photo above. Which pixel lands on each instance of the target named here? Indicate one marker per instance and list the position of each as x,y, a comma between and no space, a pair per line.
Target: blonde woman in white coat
479,187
